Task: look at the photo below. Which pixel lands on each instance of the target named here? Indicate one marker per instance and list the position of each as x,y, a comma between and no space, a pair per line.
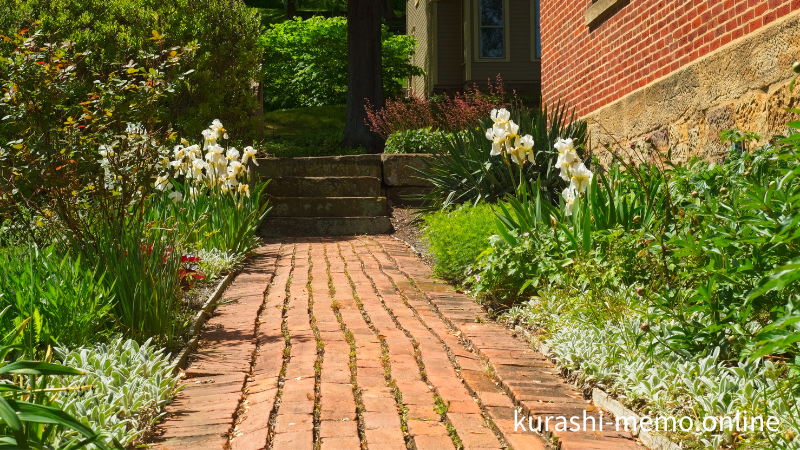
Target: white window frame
506,35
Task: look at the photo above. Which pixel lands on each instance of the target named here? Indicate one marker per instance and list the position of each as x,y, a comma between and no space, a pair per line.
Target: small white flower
249,152
498,136
235,168
232,154
175,196
500,115
581,177
162,183
566,153
569,199
523,150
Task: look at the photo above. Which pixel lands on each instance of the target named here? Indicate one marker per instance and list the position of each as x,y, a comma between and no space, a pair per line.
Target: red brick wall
639,42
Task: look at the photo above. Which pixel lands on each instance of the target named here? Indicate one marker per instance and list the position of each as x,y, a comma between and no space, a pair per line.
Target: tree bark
388,10
365,80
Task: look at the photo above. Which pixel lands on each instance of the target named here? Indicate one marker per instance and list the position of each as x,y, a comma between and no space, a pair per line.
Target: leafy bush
465,171
225,31
423,140
130,385
442,112
81,157
305,62
68,304
457,237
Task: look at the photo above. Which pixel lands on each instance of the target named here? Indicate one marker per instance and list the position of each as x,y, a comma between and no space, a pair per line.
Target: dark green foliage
305,63
225,31
464,172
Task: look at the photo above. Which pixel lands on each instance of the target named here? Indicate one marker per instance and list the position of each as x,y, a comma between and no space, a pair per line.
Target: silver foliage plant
131,384
658,382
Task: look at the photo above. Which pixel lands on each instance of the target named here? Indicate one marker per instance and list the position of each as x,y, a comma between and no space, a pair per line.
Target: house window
536,30
492,33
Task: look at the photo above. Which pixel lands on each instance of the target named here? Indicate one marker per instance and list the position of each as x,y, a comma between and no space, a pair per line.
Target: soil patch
408,228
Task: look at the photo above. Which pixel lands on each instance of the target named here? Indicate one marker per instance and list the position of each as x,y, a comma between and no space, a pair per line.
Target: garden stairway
325,196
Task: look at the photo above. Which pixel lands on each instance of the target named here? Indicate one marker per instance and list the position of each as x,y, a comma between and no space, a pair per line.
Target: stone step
324,226
328,206
325,186
325,166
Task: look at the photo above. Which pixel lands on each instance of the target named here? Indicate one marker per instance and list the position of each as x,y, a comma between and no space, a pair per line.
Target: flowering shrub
73,157
450,114
221,171
482,162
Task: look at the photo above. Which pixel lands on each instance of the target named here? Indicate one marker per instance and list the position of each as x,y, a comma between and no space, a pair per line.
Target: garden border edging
200,319
603,400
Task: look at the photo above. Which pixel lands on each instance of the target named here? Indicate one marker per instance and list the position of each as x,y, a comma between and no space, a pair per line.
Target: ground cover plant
457,237
673,287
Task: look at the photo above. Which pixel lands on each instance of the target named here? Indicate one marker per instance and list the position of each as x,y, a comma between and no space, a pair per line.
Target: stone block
397,169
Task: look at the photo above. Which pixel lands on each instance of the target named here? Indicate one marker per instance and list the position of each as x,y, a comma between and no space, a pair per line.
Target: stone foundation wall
743,85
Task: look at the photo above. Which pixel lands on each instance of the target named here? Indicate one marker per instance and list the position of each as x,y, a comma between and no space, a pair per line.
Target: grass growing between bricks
442,411
241,411
488,369
351,341
320,354
287,355
385,359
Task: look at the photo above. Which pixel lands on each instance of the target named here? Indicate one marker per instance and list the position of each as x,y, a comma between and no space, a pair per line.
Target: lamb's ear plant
28,417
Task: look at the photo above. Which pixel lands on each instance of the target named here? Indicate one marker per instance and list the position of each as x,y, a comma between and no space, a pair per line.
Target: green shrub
424,140
226,64
90,145
305,62
456,238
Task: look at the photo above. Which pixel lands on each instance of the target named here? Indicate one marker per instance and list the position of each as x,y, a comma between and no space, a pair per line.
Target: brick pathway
349,343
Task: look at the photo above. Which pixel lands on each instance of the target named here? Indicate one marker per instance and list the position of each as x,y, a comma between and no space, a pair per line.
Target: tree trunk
365,80
291,9
388,10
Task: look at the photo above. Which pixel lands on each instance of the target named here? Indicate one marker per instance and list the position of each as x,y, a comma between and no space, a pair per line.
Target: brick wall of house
637,43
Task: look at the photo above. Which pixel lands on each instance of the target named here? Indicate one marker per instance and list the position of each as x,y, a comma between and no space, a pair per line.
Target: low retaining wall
401,180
